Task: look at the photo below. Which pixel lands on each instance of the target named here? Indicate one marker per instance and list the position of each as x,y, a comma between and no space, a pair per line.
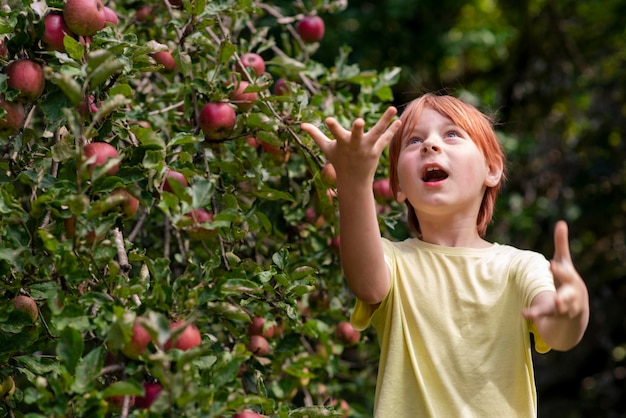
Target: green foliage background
551,73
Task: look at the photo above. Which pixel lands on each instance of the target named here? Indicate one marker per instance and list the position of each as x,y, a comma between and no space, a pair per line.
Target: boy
453,312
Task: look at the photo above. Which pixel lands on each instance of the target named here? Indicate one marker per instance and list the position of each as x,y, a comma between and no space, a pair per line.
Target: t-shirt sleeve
362,313
536,278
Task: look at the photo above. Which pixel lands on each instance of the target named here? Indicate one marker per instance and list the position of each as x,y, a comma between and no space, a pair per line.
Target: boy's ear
494,175
400,196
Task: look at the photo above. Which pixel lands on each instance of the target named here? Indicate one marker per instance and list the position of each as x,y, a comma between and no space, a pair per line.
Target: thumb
322,141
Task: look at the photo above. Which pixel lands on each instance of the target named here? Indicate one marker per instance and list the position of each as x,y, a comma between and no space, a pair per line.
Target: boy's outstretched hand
561,317
355,153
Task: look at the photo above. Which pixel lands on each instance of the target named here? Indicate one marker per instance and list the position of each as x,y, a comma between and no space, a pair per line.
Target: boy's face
441,171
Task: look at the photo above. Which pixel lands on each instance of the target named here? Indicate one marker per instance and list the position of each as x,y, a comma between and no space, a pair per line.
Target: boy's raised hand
355,152
563,315
571,295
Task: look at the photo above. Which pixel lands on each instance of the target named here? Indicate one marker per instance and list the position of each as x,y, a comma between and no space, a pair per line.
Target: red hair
480,129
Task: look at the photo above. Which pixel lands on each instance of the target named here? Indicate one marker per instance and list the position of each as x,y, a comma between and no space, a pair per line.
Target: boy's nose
429,145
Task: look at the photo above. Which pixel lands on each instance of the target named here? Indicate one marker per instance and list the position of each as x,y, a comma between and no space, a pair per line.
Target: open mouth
433,174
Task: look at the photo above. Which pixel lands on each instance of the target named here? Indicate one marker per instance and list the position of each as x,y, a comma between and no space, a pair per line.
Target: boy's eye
452,134
414,140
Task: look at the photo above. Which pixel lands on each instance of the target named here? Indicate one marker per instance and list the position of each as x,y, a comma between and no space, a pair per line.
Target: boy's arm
562,317
355,155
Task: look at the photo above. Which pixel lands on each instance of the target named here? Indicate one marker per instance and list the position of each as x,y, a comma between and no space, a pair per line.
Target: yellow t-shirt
453,341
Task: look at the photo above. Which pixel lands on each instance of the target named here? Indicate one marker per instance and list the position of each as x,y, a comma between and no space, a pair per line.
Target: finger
538,311
385,138
318,136
383,123
561,243
566,300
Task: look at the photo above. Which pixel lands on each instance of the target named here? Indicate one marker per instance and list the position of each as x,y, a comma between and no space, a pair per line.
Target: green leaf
87,370
148,138
70,348
123,388
68,85
227,49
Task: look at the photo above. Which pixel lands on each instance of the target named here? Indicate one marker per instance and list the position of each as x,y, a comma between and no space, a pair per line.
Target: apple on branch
129,205
196,219
166,59
258,345
190,336
347,334
253,61
27,77
242,99
110,16
27,305
217,120
173,176
151,393
84,17
13,119
139,340
55,31
101,152
310,28
248,413
382,189
257,327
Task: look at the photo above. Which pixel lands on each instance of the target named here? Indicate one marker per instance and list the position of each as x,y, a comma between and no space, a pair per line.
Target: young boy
453,312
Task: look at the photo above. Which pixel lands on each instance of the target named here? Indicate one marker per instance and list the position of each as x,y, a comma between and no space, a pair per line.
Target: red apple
248,414
258,345
84,17
172,175
143,13
280,155
329,175
55,31
217,120
152,391
347,334
86,108
166,59
139,341
189,338
382,189
310,28
26,76
102,151
196,230
253,61
110,16
13,119
26,304
130,204
257,327
281,88
240,98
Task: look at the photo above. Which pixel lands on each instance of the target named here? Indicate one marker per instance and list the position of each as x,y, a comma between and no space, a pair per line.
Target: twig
121,251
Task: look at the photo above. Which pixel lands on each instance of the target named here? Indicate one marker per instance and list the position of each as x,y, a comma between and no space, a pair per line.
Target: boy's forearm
561,332
362,256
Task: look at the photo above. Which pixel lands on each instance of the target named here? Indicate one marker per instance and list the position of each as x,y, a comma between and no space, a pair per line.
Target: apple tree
168,238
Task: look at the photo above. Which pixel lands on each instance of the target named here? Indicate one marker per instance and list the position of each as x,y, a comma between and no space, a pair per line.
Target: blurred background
552,73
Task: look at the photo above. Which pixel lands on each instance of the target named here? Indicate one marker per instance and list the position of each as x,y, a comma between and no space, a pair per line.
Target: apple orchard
168,235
